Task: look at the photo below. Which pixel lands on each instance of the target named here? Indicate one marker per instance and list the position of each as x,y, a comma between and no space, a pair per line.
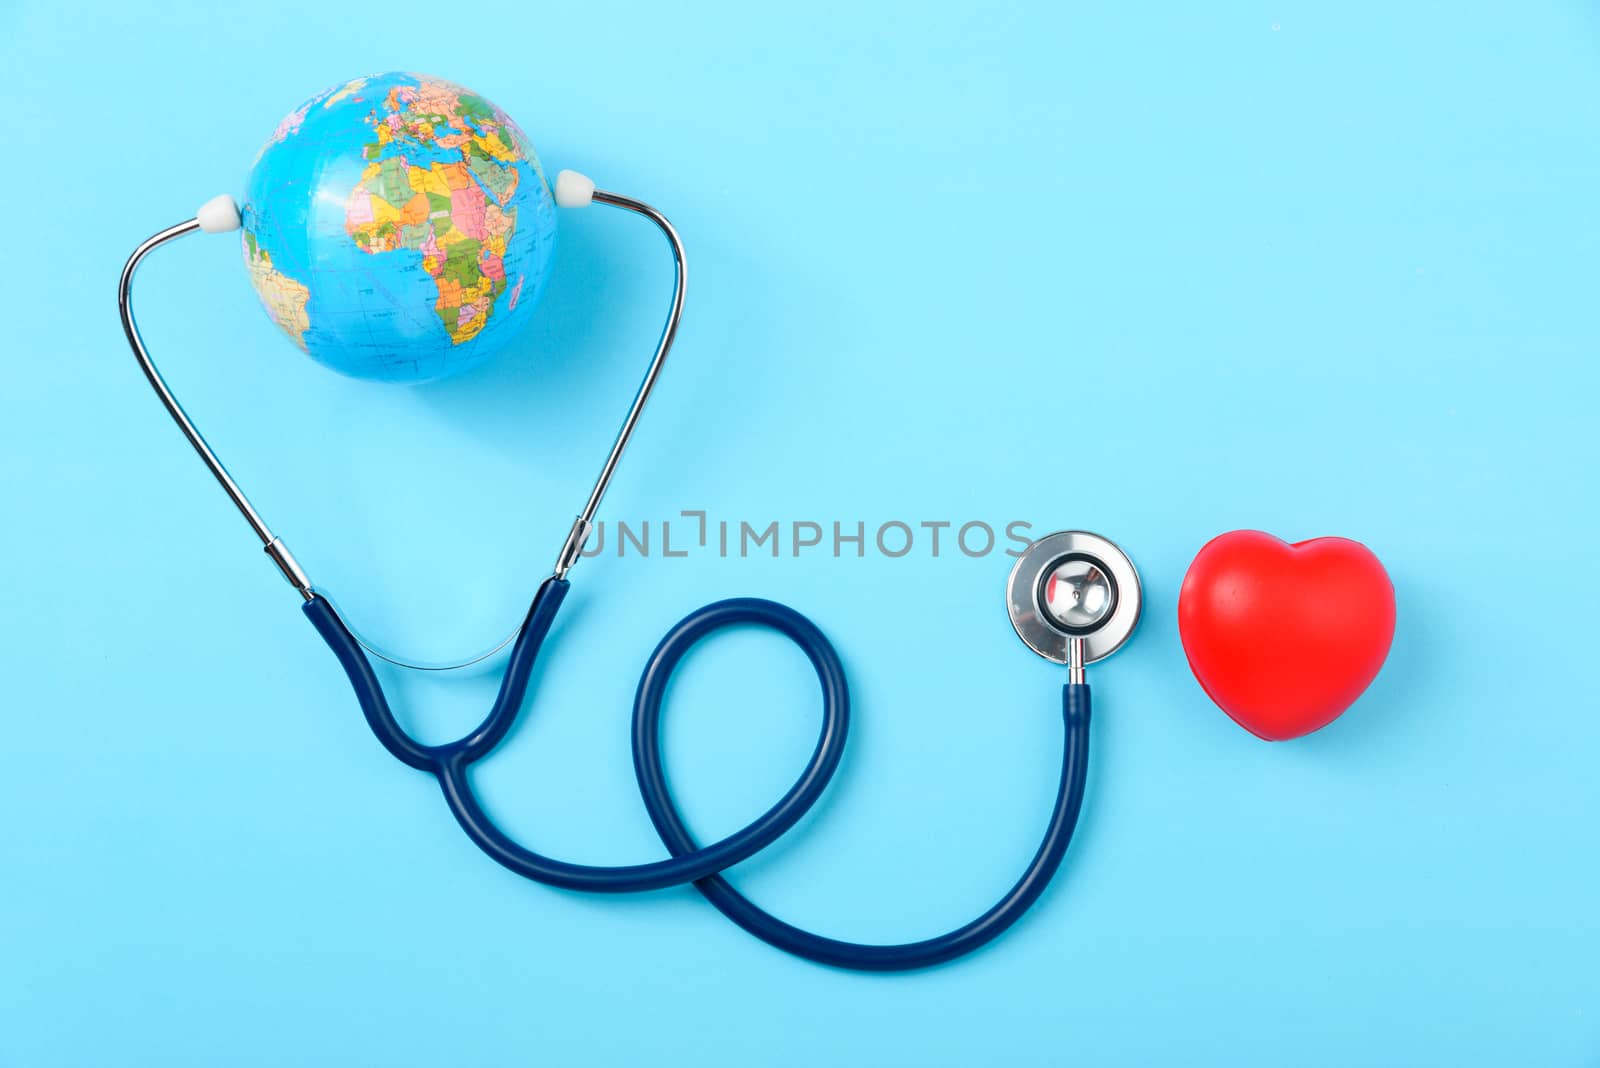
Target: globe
398,227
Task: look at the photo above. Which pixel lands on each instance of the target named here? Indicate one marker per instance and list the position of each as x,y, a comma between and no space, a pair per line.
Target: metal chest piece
1073,586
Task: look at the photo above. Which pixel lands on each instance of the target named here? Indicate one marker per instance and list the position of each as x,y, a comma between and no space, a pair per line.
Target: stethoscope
1073,598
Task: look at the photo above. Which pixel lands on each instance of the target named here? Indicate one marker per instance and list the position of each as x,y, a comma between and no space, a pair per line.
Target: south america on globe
398,227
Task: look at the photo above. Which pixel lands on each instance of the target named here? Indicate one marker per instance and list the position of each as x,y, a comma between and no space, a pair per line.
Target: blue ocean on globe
398,227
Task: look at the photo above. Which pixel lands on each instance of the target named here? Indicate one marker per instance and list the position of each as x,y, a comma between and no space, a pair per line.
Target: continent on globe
283,297
452,213
398,227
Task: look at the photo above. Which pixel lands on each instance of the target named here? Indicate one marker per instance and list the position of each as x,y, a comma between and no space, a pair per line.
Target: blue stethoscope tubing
689,862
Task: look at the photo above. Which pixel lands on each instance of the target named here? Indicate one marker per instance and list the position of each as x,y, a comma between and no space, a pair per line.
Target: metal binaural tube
273,546
579,534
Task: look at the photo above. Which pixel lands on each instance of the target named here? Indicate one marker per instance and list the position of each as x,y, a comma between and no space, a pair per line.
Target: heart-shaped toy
1285,637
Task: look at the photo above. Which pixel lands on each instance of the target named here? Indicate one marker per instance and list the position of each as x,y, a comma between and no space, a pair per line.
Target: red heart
1285,637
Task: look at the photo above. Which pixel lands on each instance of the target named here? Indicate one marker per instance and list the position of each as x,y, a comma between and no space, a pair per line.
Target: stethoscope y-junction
1073,598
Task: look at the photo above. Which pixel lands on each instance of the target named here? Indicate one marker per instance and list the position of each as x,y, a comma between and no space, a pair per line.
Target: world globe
398,227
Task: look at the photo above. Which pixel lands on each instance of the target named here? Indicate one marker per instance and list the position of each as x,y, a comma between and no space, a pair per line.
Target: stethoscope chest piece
1073,585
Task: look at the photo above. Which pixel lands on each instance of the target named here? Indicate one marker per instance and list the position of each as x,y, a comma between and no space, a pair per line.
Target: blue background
1149,272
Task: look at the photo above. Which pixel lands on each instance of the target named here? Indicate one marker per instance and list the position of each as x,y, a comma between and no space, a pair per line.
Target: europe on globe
398,227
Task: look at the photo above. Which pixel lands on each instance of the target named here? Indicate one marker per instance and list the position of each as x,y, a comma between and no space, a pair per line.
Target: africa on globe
398,227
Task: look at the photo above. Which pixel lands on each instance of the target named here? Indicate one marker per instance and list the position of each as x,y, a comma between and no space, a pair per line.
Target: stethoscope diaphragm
1073,585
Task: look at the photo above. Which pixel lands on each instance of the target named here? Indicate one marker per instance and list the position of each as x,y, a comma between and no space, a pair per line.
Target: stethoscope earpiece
573,190
1072,589
219,215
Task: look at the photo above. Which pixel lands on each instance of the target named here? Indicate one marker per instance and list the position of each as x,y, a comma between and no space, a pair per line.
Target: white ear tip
218,215
573,190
